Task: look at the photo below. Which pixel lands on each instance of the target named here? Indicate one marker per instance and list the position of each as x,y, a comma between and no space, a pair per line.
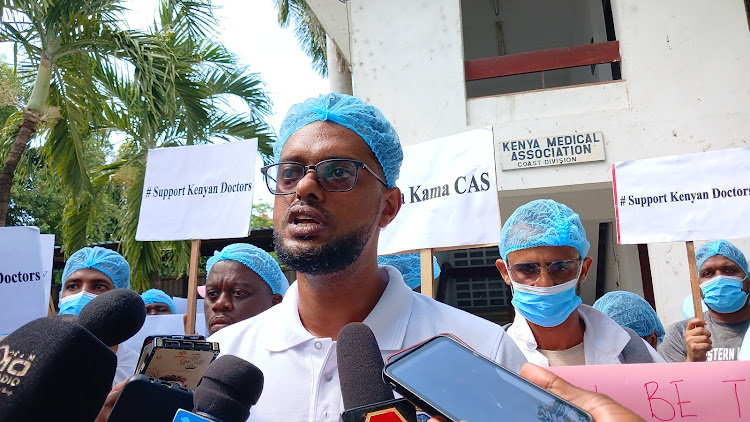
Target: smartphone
446,378
178,360
149,399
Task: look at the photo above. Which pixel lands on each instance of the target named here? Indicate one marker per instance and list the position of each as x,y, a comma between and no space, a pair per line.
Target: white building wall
684,89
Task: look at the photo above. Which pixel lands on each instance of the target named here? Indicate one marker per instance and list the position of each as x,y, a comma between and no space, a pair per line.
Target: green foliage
308,30
262,216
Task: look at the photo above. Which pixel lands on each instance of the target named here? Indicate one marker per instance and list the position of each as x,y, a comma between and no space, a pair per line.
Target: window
522,45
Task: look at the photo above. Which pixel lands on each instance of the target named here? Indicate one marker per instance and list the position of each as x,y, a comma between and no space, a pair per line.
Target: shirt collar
388,320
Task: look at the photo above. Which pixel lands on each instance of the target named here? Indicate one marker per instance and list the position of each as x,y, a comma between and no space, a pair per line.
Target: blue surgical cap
354,114
410,267
632,311
109,262
720,247
158,296
257,260
543,222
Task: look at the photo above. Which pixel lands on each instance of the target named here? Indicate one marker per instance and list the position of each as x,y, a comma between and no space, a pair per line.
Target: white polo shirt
301,371
603,339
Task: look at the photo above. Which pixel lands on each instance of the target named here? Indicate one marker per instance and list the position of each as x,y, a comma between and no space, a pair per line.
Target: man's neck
731,318
328,302
560,337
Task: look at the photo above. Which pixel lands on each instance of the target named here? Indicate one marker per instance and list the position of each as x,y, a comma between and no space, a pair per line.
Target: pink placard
707,391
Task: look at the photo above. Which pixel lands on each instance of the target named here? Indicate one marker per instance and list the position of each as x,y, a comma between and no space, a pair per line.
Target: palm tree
63,42
310,33
208,82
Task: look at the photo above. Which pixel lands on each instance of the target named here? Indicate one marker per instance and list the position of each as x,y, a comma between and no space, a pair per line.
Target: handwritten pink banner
706,391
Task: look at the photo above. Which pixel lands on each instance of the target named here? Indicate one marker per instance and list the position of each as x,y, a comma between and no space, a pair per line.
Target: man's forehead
341,140
718,261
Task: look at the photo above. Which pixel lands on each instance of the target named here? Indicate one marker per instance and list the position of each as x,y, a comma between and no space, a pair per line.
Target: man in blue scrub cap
242,281
544,258
632,311
409,265
334,175
88,273
157,302
723,277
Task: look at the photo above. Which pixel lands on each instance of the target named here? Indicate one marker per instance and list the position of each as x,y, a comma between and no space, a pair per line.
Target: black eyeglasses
559,271
334,175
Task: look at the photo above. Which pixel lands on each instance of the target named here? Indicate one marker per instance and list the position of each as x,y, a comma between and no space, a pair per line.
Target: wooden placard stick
195,259
51,310
428,277
694,286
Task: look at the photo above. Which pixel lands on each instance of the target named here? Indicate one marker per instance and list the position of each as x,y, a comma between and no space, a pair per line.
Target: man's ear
585,267
500,264
276,299
391,206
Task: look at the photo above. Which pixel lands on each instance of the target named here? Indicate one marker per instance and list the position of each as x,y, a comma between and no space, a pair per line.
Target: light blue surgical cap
720,247
632,311
257,260
409,266
543,222
158,296
109,262
354,114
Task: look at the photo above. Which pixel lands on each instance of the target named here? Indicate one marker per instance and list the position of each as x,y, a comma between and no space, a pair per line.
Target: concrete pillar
339,75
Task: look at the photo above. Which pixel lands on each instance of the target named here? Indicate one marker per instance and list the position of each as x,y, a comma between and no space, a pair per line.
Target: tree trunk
28,127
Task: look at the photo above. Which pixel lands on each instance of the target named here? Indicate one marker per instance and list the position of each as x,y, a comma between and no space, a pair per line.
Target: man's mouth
306,221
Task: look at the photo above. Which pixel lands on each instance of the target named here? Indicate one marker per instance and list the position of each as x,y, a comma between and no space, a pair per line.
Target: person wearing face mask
544,256
722,274
88,273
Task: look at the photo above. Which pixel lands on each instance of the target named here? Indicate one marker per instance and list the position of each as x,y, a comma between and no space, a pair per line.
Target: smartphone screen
465,386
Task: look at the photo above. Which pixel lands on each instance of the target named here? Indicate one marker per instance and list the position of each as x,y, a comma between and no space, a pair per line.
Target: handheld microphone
227,390
366,396
61,368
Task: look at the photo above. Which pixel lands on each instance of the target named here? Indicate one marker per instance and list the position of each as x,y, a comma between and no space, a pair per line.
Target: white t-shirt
301,380
127,359
603,339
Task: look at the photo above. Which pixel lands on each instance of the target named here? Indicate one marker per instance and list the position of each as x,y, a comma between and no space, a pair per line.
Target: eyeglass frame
314,168
546,265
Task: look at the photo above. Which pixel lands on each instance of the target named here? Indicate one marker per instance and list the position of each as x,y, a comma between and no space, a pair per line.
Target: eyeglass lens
528,272
333,176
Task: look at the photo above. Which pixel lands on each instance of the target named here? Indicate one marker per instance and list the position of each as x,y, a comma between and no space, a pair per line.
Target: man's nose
308,188
223,303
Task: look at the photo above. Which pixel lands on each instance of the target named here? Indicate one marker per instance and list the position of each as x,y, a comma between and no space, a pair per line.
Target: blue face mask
546,306
724,294
72,305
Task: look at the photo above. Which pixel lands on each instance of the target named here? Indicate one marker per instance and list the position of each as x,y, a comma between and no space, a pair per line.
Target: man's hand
697,340
109,403
601,407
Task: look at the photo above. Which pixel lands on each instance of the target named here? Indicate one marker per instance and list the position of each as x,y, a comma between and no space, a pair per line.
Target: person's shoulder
448,313
678,326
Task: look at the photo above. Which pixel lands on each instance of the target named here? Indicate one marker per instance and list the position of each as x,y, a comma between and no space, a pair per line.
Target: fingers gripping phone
448,379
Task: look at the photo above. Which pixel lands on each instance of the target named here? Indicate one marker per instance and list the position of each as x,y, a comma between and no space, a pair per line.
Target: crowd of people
327,221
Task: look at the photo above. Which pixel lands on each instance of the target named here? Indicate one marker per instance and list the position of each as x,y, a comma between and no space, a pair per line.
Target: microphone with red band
366,396
60,369
227,390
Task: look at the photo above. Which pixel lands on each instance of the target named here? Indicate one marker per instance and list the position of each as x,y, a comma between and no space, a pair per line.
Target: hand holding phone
451,381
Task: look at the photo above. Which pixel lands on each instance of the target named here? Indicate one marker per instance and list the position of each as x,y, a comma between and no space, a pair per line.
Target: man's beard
329,258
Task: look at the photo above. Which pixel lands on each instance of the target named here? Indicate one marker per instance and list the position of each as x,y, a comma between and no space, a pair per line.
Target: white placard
47,245
701,196
198,192
449,195
180,305
21,278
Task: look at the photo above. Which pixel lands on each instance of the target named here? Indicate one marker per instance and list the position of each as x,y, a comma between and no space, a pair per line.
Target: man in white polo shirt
337,161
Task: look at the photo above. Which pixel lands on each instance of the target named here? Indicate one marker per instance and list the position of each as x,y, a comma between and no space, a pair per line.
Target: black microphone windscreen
114,316
360,367
228,388
53,370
